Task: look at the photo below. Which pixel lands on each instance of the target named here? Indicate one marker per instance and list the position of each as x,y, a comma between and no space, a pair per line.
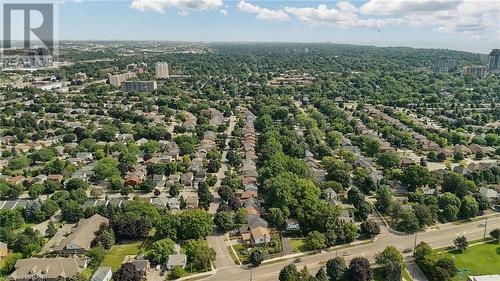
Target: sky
469,25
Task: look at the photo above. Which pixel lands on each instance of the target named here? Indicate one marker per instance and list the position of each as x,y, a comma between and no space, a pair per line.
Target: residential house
142,265
174,204
49,269
187,179
191,199
102,274
81,235
489,193
176,260
260,235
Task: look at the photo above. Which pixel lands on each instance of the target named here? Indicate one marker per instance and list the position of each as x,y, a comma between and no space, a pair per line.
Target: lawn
117,253
298,245
483,259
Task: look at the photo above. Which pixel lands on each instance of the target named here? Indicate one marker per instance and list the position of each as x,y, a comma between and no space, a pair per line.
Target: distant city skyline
461,25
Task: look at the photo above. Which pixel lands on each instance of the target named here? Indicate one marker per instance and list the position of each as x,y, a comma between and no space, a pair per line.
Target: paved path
287,248
415,272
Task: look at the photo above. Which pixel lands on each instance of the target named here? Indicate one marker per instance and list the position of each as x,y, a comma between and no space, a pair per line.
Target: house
102,274
460,148
55,177
49,269
81,235
191,200
292,225
4,251
142,265
489,193
16,180
176,260
132,180
187,179
260,235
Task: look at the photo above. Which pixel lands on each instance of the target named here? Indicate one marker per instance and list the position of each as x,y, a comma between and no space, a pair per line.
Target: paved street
218,243
442,236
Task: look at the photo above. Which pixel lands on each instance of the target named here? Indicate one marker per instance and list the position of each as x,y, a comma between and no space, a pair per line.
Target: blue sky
463,25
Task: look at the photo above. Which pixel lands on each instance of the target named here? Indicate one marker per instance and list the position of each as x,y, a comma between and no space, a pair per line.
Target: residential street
442,236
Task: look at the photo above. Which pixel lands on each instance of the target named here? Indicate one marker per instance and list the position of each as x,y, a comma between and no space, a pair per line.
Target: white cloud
223,12
465,16
185,6
473,17
401,7
345,16
263,13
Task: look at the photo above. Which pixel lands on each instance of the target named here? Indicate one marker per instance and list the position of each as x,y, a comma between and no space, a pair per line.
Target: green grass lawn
481,259
117,253
298,245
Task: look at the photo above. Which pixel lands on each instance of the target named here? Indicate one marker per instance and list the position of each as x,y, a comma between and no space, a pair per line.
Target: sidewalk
415,272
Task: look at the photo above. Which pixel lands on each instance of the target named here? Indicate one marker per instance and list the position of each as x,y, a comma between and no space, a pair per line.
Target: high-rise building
138,86
445,64
161,70
479,71
117,79
494,62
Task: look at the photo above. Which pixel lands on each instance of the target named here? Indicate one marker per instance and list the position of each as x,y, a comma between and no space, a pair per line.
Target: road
441,236
224,167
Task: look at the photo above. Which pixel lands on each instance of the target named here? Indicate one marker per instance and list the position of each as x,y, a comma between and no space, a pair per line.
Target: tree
27,242
461,243
336,269
51,229
35,190
199,255
106,168
76,183
415,176
204,195
448,199
127,272
96,255
495,233
146,186
194,224
176,272
450,213
359,270
276,217
392,261
315,240
469,207
108,238
321,275
72,211
175,189
388,159
224,221
384,199
161,249
289,273
256,256
423,214
369,228
407,221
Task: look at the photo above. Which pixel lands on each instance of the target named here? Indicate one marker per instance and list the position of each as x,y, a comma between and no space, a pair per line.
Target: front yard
298,245
483,259
116,255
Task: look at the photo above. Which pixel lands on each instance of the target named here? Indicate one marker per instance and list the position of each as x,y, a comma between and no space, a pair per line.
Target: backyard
482,259
118,252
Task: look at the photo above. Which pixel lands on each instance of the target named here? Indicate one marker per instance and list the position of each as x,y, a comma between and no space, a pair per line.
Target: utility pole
485,226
